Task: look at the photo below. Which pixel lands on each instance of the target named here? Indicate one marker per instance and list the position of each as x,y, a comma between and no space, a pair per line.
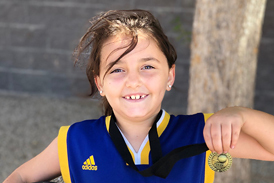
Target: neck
135,131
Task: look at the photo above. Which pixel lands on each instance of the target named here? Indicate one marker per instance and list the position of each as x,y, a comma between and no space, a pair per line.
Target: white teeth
135,97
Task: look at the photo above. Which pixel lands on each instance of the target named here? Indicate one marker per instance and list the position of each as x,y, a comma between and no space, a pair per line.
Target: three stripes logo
89,164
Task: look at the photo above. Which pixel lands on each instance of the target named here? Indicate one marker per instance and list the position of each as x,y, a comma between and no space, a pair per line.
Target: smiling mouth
135,97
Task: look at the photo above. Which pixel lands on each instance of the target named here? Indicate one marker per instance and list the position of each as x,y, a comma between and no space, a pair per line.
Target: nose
133,79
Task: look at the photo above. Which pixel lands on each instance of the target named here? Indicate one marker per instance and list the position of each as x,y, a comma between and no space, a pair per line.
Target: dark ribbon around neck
162,165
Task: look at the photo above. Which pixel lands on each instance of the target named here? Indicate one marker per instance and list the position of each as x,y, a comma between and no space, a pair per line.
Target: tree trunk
224,50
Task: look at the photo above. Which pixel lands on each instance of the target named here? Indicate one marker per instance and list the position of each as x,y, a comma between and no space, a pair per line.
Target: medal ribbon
161,166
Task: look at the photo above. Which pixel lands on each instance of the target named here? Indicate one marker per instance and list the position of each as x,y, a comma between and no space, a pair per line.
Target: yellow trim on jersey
107,120
62,153
132,155
207,115
164,124
209,174
145,154
160,130
146,149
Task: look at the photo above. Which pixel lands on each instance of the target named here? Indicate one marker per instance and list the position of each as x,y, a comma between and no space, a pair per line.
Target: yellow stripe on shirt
160,130
62,153
107,121
209,174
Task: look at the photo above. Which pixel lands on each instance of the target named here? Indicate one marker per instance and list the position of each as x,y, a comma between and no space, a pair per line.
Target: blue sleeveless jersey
87,153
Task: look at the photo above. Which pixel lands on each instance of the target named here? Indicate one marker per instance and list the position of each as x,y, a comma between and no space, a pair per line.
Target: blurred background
41,89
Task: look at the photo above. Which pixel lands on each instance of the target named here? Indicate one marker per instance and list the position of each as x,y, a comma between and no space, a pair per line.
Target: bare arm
45,166
244,132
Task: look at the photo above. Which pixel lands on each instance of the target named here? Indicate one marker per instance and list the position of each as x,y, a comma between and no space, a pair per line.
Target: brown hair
112,23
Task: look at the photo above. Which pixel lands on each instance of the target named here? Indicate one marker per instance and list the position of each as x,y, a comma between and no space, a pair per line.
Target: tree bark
224,51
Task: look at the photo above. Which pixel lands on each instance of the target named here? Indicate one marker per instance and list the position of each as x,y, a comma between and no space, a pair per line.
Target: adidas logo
89,164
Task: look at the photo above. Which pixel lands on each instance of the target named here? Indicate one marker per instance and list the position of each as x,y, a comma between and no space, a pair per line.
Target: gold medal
219,162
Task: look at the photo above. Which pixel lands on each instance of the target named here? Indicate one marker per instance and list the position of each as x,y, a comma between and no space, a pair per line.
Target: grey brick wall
37,39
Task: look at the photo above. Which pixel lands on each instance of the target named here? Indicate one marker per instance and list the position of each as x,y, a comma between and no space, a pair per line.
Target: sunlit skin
143,74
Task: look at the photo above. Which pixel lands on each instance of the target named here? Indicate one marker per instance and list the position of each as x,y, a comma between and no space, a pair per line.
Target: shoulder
84,126
193,118
184,130
188,124
88,122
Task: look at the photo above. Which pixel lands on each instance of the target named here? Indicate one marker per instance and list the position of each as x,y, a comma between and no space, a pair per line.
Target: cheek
157,87
113,84
115,81
156,79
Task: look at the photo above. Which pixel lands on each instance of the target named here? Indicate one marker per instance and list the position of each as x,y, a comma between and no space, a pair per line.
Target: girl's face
136,84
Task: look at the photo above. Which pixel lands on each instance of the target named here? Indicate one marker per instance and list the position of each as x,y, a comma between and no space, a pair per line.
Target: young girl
132,63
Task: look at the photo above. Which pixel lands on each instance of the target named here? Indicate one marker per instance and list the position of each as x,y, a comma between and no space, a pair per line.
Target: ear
171,77
99,85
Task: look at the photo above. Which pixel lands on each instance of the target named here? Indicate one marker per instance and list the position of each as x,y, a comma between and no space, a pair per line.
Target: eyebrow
150,58
142,59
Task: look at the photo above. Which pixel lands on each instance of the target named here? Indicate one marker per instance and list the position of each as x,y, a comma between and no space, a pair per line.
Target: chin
137,113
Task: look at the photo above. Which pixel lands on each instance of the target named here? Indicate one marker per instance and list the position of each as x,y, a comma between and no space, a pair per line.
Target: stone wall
38,38
41,90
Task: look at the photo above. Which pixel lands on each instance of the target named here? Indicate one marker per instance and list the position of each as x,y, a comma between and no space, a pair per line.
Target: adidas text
89,167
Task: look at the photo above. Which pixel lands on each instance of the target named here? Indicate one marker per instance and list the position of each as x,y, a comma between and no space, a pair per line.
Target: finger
207,137
226,137
235,135
216,137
